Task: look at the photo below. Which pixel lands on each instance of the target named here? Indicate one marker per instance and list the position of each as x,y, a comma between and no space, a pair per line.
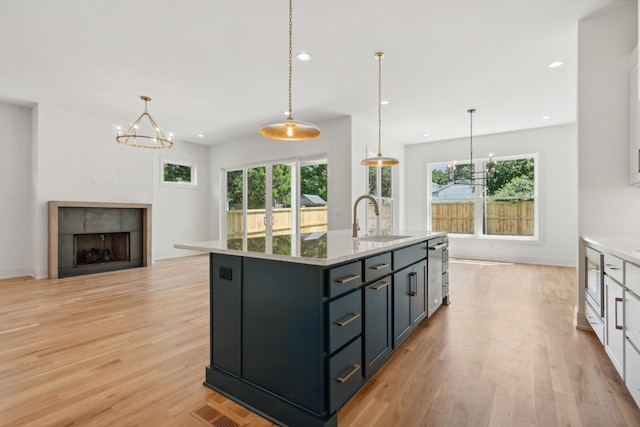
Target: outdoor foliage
505,171
385,184
177,173
313,180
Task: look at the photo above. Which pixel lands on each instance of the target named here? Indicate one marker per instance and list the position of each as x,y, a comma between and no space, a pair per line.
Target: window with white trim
491,197
380,186
179,173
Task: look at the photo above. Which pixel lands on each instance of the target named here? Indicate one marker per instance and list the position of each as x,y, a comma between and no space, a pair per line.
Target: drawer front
595,321
409,255
632,374
614,268
632,318
632,279
345,319
346,374
345,278
377,266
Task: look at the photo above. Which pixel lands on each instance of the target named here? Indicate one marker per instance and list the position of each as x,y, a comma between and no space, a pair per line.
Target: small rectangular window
179,173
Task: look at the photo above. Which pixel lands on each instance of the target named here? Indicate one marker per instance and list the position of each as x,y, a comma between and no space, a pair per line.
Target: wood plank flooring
129,349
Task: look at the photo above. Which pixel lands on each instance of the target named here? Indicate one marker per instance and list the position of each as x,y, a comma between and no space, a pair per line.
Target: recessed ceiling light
303,56
200,135
546,117
384,102
426,134
286,113
555,64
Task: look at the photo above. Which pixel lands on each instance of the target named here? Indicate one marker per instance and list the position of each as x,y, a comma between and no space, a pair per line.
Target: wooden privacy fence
502,217
311,219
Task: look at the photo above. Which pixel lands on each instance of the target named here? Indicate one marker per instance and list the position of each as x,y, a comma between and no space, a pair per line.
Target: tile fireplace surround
87,213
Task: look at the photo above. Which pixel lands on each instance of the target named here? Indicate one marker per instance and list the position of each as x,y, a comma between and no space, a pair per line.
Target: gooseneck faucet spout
356,227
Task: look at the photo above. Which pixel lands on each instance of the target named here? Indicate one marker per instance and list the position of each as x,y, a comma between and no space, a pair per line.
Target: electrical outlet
226,273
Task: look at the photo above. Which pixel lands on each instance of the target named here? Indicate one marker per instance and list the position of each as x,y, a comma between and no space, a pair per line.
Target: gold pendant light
379,160
290,129
155,139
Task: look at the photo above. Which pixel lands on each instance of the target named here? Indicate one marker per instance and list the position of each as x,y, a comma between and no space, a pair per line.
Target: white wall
608,206
54,153
180,213
557,198
15,191
334,141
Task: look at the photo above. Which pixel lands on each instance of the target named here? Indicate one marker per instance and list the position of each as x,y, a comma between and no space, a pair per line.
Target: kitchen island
300,322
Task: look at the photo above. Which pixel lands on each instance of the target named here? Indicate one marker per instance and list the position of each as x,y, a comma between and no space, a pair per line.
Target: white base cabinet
614,313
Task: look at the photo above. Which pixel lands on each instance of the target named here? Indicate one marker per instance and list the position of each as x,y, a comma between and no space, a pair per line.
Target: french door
260,202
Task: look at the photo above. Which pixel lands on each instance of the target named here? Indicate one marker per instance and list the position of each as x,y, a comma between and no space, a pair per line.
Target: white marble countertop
323,248
627,248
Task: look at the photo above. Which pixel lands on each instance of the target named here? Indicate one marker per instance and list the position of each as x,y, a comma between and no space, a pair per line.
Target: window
499,201
380,180
178,173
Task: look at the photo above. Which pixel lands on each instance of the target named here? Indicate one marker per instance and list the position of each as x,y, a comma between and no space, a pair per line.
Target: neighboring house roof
452,191
312,200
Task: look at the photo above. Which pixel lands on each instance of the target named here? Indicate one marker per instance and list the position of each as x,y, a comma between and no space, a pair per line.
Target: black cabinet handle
348,320
344,378
382,285
348,278
413,278
379,266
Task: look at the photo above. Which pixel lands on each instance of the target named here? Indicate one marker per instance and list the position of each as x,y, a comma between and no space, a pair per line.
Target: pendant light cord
471,111
290,51
379,55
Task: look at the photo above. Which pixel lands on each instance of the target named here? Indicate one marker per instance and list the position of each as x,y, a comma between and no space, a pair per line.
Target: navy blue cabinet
295,341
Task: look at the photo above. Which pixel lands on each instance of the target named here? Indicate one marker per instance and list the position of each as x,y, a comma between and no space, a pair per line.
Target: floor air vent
215,417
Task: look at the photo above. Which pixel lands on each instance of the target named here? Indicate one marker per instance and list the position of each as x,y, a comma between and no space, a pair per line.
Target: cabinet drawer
345,278
632,374
595,321
377,266
409,255
632,279
346,374
632,318
613,267
345,319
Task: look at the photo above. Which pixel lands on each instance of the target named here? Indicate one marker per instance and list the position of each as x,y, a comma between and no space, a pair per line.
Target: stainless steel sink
380,238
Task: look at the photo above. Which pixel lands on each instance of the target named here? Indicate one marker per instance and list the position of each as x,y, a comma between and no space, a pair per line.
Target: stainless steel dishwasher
434,289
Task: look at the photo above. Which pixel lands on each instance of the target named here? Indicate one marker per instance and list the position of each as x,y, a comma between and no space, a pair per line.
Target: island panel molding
106,221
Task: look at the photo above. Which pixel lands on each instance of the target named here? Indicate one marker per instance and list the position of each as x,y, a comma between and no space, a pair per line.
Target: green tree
517,189
234,189
439,176
313,180
177,173
281,184
256,181
504,171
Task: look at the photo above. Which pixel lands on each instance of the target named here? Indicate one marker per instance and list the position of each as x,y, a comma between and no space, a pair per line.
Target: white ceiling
219,68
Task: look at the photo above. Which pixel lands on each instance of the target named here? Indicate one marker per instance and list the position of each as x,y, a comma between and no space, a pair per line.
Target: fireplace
97,248
87,238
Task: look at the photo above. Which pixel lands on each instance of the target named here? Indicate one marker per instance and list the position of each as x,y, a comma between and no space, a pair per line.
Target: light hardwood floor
130,348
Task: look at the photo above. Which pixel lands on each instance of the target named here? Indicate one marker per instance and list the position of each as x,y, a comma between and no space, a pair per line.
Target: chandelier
135,136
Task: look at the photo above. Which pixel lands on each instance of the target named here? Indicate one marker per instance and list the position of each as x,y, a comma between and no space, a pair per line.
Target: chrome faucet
356,227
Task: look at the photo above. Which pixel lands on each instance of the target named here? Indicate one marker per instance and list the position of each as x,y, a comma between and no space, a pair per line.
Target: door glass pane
385,181
281,199
256,201
234,204
313,196
452,198
372,180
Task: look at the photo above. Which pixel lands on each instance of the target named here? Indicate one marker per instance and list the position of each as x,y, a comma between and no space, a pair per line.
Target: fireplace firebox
100,248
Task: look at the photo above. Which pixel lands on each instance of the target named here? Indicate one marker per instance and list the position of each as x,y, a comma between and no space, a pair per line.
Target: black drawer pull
382,285
348,320
354,369
379,266
348,278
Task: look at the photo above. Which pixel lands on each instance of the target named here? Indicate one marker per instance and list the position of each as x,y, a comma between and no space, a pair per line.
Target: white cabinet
632,342
632,380
634,121
614,313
